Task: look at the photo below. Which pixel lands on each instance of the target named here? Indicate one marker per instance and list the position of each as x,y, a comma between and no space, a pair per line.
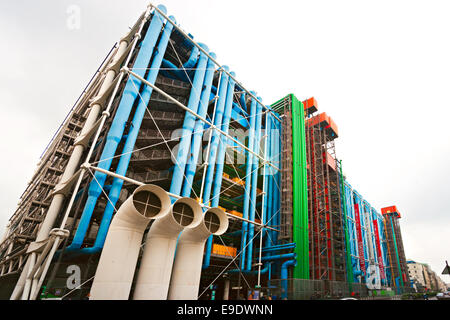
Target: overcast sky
381,70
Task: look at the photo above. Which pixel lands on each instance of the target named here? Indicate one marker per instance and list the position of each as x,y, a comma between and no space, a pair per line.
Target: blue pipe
215,138
284,276
171,71
255,165
242,100
252,272
269,194
193,57
217,183
280,257
235,105
282,247
198,130
248,183
276,184
184,75
118,125
188,125
223,145
266,182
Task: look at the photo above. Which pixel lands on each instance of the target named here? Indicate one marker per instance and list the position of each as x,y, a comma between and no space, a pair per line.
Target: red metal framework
326,233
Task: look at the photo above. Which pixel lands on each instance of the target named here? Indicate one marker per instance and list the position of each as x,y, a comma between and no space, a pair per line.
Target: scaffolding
284,108
327,243
398,269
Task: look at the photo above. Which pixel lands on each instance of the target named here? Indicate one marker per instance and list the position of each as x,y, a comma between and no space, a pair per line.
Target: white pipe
187,266
153,277
117,264
79,148
75,157
42,273
26,288
18,289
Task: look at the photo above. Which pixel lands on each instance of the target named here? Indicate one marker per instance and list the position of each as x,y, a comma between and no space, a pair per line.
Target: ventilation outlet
151,201
216,221
187,212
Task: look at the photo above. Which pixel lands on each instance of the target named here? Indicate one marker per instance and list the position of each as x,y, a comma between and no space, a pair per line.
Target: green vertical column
300,191
347,242
396,252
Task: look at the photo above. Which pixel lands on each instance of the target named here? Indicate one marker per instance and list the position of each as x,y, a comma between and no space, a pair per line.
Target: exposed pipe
276,183
130,142
191,167
279,257
269,193
262,234
248,183
279,247
188,125
187,266
220,160
255,166
117,127
217,121
153,276
116,268
284,276
183,74
251,272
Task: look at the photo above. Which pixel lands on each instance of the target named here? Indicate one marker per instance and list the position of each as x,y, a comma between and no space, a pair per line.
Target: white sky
381,70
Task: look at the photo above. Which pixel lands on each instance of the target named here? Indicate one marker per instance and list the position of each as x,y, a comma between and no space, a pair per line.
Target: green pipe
396,252
347,243
299,189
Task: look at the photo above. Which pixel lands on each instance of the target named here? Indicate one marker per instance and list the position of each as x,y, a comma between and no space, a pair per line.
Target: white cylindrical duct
155,269
77,152
115,270
187,266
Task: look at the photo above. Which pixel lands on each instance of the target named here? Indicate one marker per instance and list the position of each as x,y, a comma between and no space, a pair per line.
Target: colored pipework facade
161,111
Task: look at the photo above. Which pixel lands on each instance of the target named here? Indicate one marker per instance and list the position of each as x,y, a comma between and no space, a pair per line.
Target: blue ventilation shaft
196,144
254,172
188,125
248,181
285,275
212,155
269,179
217,183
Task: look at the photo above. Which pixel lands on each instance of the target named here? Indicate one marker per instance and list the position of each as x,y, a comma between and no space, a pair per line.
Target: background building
424,278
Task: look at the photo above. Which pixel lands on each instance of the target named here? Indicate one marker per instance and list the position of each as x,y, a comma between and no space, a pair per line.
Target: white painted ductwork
187,266
116,268
153,277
